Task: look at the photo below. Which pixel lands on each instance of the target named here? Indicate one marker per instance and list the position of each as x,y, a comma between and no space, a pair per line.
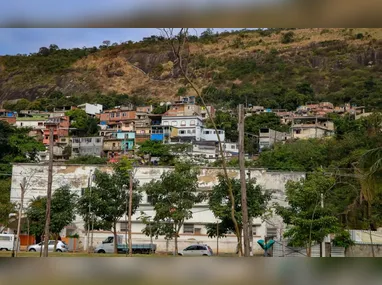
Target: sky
48,9
25,41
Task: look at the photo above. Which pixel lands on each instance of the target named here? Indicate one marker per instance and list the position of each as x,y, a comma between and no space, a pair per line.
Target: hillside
277,68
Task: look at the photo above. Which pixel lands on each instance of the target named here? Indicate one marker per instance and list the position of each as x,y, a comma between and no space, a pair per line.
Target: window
183,123
298,132
206,132
142,131
88,140
51,242
21,124
40,124
192,247
112,115
165,123
233,147
149,199
192,123
63,140
98,140
123,114
198,231
271,232
117,115
188,228
193,131
254,230
182,132
7,238
189,132
123,226
174,123
76,150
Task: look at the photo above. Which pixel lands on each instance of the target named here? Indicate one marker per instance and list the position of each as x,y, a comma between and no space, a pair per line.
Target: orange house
60,127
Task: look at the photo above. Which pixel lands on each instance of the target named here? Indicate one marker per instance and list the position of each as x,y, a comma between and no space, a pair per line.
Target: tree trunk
176,239
309,251
115,238
55,242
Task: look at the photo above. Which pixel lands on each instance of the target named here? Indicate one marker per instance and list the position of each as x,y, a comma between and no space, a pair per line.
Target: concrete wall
364,250
77,178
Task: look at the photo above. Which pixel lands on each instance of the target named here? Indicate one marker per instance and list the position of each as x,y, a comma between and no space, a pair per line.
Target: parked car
197,250
107,246
61,246
7,241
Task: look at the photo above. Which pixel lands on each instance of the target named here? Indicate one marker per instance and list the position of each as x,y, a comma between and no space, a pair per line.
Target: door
200,250
109,246
51,245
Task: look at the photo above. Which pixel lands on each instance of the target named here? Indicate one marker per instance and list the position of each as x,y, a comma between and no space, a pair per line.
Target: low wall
364,250
226,245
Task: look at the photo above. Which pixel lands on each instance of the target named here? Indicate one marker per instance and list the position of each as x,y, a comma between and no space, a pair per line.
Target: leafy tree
174,196
16,146
153,148
63,208
36,216
6,206
84,124
301,155
109,198
307,221
220,205
226,122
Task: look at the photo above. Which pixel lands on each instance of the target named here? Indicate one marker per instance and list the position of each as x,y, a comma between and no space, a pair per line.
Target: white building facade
76,176
91,109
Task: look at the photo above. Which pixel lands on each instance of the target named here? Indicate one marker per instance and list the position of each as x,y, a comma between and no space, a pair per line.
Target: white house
76,176
91,109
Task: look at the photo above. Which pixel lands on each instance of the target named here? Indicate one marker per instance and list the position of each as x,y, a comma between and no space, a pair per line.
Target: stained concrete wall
364,250
76,176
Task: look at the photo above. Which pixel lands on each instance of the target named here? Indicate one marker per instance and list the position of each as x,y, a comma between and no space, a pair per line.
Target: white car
197,250
61,246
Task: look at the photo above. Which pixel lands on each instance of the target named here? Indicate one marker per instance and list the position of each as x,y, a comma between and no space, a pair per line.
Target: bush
287,38
343,239
87,159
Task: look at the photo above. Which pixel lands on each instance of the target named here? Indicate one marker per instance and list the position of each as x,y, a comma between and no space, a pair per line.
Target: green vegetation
87,159
308,221
83,124
173,197
257,201
109,198
63,207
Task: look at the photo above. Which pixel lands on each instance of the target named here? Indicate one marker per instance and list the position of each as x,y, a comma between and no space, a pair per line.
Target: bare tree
180,49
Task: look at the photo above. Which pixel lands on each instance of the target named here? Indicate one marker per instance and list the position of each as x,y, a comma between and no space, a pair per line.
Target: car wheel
205,254
180,254
101,251
32,249
3,249
58,250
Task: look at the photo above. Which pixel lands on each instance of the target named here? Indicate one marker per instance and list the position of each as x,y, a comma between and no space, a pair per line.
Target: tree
108,198
44,51
63,207
63,210
220,205
6,206
174,196
307,221
36,216
106,43
84,124
153,148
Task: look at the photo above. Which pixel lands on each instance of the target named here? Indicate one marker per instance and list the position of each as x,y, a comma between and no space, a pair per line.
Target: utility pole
323,242
90,197
130,208
23,188
244,207
217,237
49,193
